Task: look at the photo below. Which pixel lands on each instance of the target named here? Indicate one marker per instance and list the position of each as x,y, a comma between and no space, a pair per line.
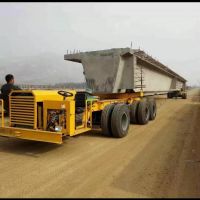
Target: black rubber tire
143,112
184,96
120,120
152,109
106,120
169,95
133,112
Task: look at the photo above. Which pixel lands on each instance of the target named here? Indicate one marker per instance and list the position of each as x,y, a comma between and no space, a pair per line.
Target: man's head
9,78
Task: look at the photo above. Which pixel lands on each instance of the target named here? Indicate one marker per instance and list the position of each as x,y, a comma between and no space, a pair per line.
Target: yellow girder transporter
123,82
50,115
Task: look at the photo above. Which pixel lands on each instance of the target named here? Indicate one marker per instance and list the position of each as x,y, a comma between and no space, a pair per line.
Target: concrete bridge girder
119,69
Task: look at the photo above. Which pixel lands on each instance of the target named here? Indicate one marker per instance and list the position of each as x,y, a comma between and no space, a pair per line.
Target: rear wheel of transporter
169,95
184,96
143,112
133,112
120,120
106,120
152,109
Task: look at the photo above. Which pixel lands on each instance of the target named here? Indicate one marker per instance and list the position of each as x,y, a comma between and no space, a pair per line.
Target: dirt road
161,159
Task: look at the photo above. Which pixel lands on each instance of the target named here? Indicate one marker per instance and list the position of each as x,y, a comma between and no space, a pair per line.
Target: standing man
6,89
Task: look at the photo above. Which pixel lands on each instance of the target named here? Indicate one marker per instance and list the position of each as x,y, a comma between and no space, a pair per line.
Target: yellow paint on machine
29,113
36,135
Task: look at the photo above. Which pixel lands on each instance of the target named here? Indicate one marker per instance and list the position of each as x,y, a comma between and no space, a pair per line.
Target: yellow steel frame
2,113
87,115
55,101
70,109
37,135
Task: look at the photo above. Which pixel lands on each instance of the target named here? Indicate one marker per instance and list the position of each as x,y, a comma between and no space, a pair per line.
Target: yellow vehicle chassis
36,135
71,130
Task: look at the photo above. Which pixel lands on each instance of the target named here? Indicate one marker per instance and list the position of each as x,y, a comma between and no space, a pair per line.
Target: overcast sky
169,32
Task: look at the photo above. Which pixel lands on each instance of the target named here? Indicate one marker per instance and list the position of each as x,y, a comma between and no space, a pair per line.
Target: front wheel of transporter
143,112
133,112
106,120
152,109
120,120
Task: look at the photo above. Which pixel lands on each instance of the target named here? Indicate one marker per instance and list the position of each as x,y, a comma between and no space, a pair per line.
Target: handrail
90,112
2,113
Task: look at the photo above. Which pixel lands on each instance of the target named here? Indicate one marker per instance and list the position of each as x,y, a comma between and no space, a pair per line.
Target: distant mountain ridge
48,68
51,68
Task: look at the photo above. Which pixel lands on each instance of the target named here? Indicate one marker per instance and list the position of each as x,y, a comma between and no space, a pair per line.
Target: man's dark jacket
5,91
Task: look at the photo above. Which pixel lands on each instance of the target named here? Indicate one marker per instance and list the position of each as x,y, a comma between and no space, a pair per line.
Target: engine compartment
45,110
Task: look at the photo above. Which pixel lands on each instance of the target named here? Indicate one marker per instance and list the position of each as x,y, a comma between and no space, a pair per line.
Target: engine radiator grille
22,111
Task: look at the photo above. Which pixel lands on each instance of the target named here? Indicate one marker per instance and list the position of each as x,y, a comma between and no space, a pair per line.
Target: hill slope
46,68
